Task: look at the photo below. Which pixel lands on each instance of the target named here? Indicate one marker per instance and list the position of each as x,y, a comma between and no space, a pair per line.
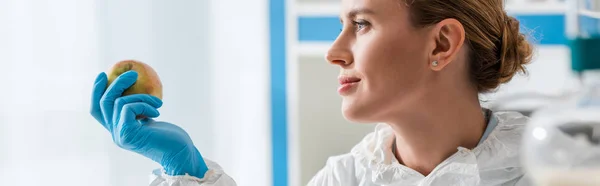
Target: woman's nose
339,53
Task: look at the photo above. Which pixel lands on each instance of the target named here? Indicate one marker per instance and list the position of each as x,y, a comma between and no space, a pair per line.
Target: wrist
197,166
189,162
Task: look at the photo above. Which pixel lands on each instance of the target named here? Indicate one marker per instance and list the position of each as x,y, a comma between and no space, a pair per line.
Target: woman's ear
449,36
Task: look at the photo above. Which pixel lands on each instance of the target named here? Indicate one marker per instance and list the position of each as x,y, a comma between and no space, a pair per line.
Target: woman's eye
359,25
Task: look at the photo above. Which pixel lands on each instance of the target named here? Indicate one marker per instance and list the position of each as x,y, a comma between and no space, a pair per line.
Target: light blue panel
277,28
542,29
318,28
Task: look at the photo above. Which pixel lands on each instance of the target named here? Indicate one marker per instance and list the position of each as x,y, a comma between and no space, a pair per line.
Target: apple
147,82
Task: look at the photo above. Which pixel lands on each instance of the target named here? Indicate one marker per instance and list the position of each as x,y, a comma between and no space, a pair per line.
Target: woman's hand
165,143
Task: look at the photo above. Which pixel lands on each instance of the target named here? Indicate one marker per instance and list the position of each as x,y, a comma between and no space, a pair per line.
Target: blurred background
246,78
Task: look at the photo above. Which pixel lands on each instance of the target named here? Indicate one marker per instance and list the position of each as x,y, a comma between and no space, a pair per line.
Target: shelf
313,48
334,8
318,9
536,8
591,14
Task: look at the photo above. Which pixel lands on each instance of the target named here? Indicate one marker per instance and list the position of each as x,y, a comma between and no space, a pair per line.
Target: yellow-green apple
147,82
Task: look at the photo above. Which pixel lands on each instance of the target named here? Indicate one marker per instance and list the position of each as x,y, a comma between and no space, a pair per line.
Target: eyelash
359,25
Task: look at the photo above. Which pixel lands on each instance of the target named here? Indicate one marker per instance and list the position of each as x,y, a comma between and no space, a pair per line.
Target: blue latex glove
165,143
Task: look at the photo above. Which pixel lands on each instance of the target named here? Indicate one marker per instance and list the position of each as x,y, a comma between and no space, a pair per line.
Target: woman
416,66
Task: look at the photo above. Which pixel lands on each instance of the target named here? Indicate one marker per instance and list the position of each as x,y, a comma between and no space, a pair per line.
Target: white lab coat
494,162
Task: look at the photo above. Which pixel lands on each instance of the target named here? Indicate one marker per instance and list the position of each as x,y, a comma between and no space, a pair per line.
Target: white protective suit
494,162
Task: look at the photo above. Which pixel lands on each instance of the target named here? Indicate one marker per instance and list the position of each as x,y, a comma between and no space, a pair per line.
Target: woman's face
383,58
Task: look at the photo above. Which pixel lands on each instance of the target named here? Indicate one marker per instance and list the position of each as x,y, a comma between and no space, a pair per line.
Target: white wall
549,74
322,129
239,48
45,128
212,58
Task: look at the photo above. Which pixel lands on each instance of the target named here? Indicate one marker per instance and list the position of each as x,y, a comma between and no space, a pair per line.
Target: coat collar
498,149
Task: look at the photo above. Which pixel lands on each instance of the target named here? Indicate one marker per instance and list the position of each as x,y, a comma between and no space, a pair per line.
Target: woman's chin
355,113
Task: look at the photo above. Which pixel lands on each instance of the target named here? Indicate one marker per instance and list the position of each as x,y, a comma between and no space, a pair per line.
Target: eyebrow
354,12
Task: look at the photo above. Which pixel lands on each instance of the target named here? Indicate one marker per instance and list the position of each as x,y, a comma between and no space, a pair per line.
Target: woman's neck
425,138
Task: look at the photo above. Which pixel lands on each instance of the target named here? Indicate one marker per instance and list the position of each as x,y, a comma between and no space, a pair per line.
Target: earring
434,63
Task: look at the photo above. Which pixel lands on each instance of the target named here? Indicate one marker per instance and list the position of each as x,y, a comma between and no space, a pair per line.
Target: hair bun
515,51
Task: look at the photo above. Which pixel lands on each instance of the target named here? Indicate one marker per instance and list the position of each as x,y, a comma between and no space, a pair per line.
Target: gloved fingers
97,92
131,110
115,90
125,133
145,121
145,98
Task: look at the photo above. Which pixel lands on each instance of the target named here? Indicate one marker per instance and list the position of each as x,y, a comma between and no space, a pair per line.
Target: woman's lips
348,79
347,83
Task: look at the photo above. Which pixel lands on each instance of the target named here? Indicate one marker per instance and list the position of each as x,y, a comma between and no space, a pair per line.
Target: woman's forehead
352,8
